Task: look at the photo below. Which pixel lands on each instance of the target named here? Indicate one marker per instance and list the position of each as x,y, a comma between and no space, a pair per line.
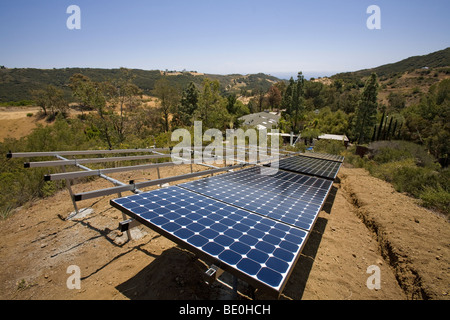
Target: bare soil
14,122
364,222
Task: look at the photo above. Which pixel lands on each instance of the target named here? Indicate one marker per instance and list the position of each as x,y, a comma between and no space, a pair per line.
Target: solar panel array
248,223
256,247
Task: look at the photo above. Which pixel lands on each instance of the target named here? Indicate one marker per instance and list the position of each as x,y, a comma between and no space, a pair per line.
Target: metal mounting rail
98,172
41,164
75,153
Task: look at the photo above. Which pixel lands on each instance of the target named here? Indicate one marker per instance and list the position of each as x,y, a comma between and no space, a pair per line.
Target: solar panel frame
276,250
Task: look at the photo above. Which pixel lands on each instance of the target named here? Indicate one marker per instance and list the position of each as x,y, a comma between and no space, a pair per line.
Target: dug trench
410,238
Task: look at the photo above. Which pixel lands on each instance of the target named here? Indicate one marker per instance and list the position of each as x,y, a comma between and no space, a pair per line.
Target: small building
261,120
337,137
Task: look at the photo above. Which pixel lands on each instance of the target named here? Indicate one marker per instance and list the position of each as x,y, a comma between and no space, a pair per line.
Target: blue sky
246,36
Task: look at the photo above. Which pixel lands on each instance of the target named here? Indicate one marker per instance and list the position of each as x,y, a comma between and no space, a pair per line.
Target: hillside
16,83
406,80
436,59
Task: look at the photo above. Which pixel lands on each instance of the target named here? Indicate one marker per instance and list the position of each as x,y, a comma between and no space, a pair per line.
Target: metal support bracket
128,225
212,274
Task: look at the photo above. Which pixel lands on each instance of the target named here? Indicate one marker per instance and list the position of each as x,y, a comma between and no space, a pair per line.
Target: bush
436,198
411,170
19,185
390,151
329,146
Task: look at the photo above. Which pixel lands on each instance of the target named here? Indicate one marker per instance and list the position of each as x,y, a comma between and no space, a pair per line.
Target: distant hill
433,60
16,83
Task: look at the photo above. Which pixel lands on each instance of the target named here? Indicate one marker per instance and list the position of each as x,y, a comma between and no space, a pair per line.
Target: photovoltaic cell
258,248
308,165
294,203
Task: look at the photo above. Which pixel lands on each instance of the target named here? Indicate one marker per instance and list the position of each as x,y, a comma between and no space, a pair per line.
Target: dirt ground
363,223
21,125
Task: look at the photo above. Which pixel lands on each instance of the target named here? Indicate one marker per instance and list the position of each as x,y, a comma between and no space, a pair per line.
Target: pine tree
367,109
188,105
293,101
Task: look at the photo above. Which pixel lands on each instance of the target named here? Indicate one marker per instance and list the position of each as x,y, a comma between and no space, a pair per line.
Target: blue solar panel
309,189
325,156
260,249
293,203
308,165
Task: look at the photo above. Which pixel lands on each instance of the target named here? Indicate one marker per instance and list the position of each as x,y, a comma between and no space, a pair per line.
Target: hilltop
16,83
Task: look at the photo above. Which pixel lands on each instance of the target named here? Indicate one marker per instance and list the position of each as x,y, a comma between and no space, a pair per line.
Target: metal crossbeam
41,164
80,174
74,153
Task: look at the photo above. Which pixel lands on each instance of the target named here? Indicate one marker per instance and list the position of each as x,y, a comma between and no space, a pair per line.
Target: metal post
235,287
124,216
69,187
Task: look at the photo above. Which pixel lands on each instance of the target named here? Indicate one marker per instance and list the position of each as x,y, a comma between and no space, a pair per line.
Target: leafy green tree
168,97
396,101
212,107
428,122
111,101
367,110
187,107
51,99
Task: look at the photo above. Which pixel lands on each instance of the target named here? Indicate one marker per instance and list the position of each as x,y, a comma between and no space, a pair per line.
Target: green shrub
390,151
436,198
329,146
410,169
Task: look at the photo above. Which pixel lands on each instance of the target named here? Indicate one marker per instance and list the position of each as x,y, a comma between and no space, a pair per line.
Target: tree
51,99
82,88
260,94
396,101
274,97
111,102
120,96
367,110
293,101
168,97
428,122
185,111
212,107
